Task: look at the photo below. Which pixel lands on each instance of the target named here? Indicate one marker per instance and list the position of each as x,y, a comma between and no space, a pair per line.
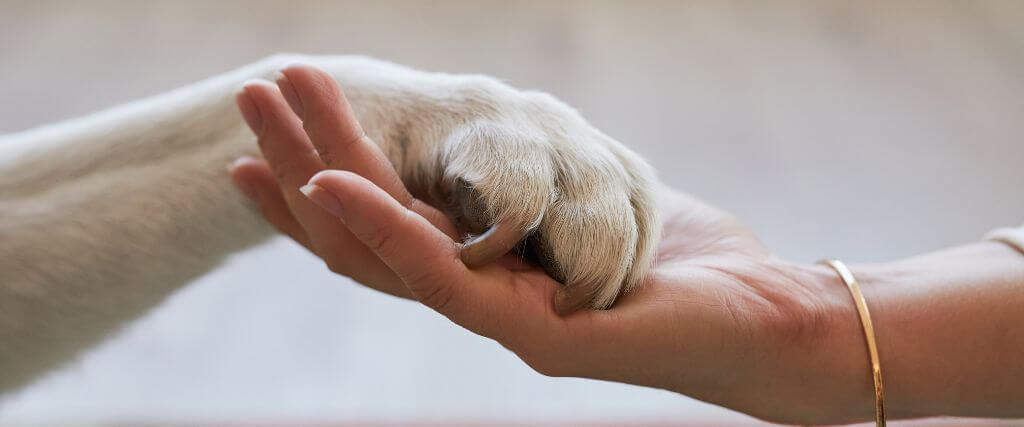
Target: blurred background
864,130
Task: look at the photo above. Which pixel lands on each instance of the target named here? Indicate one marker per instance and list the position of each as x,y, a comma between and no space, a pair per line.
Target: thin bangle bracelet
1014,237
869,334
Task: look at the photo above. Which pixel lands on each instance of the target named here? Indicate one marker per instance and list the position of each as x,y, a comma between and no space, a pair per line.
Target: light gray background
865,130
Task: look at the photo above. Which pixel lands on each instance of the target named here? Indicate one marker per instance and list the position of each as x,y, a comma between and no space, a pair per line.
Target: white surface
912,110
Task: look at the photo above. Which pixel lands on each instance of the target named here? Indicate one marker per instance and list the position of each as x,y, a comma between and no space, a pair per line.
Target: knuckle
334,152
384,239
431,290
382,242
435,295
329,155
296,166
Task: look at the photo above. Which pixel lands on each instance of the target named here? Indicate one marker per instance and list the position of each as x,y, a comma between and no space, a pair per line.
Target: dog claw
492,244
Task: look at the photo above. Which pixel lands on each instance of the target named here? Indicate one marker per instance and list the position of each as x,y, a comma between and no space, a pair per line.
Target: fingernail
235,164
322,198
250,112
288,91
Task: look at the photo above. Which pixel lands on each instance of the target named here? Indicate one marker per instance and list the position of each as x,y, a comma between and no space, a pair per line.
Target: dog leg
101,218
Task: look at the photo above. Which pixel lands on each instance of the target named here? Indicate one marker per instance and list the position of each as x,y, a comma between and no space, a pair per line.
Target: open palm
718,317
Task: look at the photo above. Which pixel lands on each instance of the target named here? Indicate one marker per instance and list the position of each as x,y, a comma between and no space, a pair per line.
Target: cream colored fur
102,217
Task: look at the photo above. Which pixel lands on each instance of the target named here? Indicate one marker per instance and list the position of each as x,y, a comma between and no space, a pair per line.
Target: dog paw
530,174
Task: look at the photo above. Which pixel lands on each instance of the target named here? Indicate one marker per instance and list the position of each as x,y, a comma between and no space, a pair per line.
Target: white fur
104,216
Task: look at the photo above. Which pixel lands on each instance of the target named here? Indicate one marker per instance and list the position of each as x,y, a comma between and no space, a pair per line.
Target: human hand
509,167
719,318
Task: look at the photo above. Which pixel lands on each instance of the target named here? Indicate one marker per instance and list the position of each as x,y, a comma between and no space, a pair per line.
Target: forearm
950,332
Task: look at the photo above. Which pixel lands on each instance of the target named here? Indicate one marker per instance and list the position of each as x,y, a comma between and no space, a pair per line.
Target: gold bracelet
869,334
1014,237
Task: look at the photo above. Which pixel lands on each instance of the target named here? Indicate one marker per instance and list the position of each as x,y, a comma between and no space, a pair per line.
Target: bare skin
719,318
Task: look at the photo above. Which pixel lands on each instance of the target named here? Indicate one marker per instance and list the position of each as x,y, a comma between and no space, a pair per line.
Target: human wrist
901,296
835,363
818,368
941,323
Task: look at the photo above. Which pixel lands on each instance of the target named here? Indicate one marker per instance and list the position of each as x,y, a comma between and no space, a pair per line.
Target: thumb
423,257
516,313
